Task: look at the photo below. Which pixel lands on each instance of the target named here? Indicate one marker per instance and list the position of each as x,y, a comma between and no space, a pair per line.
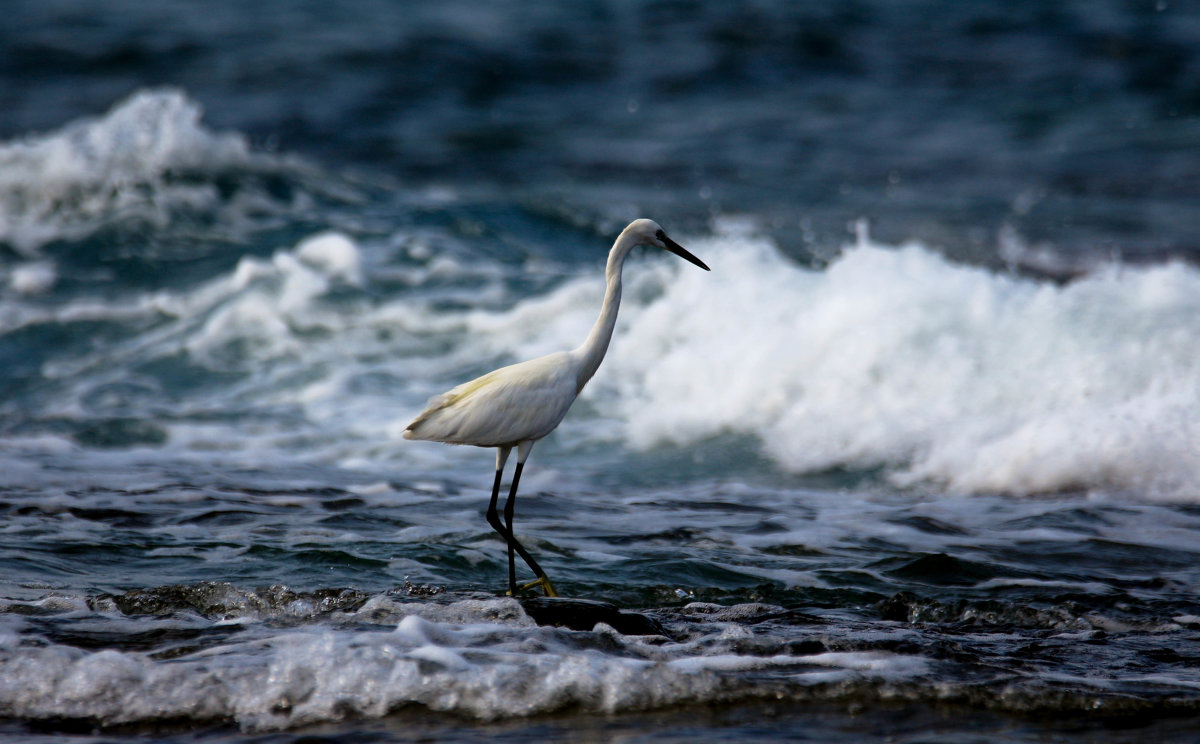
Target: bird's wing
521,402
449,398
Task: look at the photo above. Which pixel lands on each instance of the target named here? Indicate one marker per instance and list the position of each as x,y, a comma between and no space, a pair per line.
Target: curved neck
591,353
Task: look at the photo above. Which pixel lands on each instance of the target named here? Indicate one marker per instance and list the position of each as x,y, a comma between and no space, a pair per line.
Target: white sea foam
896,357
488,663
64,183
333,254
33,277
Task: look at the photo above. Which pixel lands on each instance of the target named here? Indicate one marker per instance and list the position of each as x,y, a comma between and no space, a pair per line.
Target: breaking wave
148,159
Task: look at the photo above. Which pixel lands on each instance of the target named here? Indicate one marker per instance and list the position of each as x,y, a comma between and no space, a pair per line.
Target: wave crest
131,161
938,372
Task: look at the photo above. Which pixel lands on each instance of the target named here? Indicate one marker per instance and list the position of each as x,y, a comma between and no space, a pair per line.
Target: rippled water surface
917,461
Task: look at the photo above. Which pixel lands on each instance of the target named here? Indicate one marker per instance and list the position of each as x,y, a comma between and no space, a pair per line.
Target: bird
515,406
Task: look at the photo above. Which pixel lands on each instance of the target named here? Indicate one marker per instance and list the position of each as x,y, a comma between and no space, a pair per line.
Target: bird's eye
661,235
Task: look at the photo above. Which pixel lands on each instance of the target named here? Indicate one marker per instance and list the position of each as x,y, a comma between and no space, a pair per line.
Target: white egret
517,405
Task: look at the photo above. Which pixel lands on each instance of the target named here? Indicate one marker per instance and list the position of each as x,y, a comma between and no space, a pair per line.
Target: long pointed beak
680,251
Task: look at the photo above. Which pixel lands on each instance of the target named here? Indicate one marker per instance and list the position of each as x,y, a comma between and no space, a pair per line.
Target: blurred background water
919,458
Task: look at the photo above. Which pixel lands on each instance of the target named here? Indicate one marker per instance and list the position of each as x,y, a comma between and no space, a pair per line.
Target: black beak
679,250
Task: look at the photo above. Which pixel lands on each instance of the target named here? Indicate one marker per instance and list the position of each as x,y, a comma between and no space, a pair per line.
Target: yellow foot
543,582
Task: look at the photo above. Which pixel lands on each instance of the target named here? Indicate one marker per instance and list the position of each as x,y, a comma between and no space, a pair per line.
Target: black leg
493,518
508,520
504,529
510,505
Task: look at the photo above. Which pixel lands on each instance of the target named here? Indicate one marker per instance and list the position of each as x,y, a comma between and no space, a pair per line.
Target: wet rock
584,614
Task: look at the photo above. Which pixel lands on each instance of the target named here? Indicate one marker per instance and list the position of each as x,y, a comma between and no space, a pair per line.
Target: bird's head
649,233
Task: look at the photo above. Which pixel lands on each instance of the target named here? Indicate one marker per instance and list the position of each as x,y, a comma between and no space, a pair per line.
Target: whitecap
64,183
334,254
33,277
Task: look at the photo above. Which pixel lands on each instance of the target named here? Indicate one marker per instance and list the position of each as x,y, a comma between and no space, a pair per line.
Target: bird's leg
493,518
504,529
510,505
493,515
512,537
509,508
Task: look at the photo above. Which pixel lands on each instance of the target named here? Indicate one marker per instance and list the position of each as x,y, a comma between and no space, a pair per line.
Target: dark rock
584,614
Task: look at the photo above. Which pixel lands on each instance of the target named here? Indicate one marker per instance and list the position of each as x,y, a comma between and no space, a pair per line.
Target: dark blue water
917,461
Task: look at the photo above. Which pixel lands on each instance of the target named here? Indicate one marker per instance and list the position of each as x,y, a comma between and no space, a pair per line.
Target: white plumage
520,402
517,405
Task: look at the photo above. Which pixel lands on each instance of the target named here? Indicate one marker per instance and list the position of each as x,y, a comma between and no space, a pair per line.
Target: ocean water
917,461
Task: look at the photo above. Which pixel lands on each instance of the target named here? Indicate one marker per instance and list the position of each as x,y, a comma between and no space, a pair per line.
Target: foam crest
63,184
33,277
262,310
897,358
333,254
478,669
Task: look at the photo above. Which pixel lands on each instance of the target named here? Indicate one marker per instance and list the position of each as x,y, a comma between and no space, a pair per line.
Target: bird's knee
493,518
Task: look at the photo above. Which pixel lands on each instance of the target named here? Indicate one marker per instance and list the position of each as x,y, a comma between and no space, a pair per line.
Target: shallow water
917,460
